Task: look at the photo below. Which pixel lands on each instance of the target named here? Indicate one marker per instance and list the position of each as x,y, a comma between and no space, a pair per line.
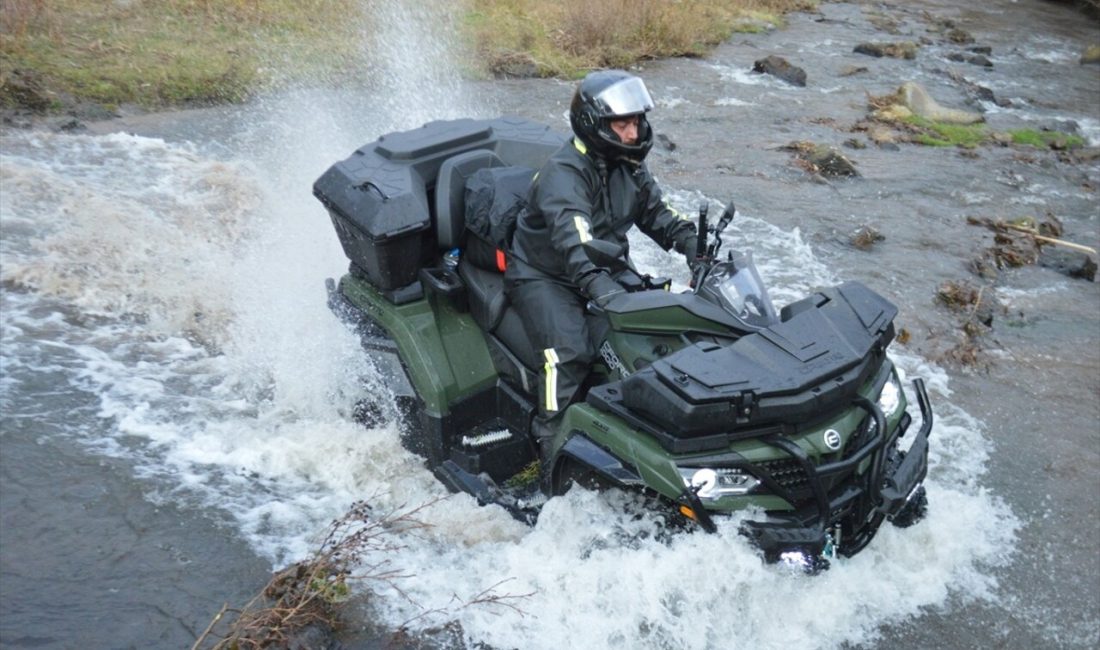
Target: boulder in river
901,50
777,66
824,160
973,59
960,36
865,237
914,97
1091,55
1072,263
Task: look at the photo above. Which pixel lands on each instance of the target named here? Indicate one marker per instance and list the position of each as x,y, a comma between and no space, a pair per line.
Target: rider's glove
686,242
601,288
694,263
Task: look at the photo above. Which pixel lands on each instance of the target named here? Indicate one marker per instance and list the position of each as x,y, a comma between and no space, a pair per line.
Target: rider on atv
595,187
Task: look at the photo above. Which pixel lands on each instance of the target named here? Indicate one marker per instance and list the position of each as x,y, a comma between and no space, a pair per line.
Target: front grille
788,473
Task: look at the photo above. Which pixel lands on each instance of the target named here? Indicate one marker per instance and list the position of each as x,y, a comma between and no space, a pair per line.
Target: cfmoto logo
832,439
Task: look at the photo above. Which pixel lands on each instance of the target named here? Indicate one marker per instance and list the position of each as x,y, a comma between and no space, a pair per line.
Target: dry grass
171,52
178,52
306,600
570,37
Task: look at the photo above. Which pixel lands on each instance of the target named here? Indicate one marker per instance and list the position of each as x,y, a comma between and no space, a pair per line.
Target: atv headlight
713,484
890,397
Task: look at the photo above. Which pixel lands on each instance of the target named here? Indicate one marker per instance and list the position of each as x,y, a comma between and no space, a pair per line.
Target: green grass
939,134
968,136
1046,139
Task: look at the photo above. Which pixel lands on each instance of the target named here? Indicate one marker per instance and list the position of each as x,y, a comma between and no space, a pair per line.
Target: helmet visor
626,97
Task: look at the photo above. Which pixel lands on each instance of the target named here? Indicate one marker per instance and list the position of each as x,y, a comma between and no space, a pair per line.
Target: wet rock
1051,226
854,143
71,125
1091,55
981,49
17,121
960,36
777,66
901,50
1060,126
882,135
515,65
977,91
884,23
850,70
914,97
1072,263
666,142
23,89
832,163
985,267
865,237
973,59
893,113
1086,154
977,303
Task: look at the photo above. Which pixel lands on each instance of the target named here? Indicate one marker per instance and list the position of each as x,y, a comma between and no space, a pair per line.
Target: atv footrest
499,454
775,539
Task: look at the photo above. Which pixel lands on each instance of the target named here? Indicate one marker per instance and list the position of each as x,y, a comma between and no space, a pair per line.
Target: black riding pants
554,319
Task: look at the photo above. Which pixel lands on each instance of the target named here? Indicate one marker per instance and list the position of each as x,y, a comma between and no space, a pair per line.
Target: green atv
707,402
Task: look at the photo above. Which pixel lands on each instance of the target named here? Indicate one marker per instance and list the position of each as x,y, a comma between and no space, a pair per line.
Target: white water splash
251,417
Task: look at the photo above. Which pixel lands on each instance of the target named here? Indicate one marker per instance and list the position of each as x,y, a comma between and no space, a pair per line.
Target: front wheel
572,473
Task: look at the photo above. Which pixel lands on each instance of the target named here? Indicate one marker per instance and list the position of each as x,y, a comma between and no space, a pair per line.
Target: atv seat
450,193
488,306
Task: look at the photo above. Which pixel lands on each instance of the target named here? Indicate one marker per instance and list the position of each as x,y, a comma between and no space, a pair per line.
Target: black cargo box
794,372
380,198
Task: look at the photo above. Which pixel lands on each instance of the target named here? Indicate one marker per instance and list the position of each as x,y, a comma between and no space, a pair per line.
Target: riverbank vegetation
168,53
158,53
569,37
968,136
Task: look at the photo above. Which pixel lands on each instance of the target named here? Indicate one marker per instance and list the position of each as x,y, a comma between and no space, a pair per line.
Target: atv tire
573,473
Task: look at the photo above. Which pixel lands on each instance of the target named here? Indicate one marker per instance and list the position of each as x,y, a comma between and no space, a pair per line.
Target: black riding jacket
575,197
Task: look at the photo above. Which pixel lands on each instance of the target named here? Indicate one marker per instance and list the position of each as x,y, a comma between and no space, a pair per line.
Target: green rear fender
443,349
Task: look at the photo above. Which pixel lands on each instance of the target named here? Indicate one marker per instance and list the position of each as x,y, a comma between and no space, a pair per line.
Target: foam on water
251,420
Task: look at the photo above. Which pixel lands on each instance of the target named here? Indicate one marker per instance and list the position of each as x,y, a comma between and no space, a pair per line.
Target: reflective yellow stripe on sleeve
676,213
582,228
551,368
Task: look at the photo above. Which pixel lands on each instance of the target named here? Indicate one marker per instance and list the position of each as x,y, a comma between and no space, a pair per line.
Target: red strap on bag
502,262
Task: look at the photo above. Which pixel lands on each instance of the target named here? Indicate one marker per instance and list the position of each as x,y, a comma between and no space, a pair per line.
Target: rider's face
626,128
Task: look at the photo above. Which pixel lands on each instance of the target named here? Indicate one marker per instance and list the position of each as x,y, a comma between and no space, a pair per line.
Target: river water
175,395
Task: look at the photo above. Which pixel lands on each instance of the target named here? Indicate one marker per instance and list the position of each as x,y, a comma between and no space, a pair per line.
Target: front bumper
848,516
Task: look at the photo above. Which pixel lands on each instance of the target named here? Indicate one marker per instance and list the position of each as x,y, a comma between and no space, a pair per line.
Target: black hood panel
802,369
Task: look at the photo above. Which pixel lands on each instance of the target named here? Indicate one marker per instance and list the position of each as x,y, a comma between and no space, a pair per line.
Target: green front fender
658,468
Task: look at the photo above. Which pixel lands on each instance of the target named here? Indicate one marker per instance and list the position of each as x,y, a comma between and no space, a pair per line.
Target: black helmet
609,94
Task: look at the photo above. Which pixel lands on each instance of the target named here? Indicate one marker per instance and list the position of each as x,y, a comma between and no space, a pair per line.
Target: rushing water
175,394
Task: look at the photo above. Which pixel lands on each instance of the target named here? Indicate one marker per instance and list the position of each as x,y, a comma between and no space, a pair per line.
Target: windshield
736,286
